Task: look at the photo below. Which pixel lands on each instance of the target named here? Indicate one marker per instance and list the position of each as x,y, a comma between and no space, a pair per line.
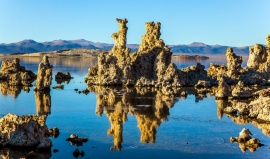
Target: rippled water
130,122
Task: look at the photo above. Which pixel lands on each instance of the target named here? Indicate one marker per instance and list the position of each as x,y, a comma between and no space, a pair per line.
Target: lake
130,122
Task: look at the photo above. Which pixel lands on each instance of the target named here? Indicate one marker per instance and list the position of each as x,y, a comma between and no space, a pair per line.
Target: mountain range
31,46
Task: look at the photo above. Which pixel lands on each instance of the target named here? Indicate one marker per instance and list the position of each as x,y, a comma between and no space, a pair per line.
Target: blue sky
224,22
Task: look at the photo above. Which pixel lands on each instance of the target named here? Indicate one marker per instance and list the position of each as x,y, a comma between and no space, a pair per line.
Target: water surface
130,122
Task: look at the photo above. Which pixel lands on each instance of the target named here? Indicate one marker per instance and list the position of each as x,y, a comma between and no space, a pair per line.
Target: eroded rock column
233,63
44,77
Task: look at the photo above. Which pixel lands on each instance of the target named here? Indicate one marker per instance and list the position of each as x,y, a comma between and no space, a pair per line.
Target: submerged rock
245,141
16,75
44,77
61,77
24,131
54,132
75,140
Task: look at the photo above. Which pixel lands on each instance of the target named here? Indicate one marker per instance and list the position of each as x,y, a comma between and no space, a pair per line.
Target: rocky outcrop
75,140
231,73
257,57
233,63
61,77
223,90
44,77
242,91
150,66
245,141
260,107
15,74
24,131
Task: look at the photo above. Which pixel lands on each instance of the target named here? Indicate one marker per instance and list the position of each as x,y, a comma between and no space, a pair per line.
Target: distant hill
201,48
31,46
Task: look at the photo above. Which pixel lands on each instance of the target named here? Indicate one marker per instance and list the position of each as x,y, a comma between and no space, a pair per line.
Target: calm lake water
123,123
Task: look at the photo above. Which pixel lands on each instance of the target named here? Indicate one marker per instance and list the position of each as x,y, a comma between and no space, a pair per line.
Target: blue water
145,124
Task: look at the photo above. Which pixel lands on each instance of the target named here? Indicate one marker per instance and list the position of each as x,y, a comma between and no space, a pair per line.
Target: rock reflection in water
14,91
16,154
241,119
60,81
43,102
148,105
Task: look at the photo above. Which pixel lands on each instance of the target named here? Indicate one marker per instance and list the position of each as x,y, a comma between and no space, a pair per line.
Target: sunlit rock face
245,141
150,66
259,58
230,73
117,103
24,131
113,68
233,63
44,77
223,90
15,74
242,91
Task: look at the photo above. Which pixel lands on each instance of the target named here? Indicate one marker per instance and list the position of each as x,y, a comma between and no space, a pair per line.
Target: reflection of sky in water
188,122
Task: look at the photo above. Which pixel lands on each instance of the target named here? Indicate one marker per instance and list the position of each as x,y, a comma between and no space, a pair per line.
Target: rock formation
15,74
216,71
245,141
242,91
61,77
257,57
223,90
24,131
233,63
76,140
150,66
44,77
